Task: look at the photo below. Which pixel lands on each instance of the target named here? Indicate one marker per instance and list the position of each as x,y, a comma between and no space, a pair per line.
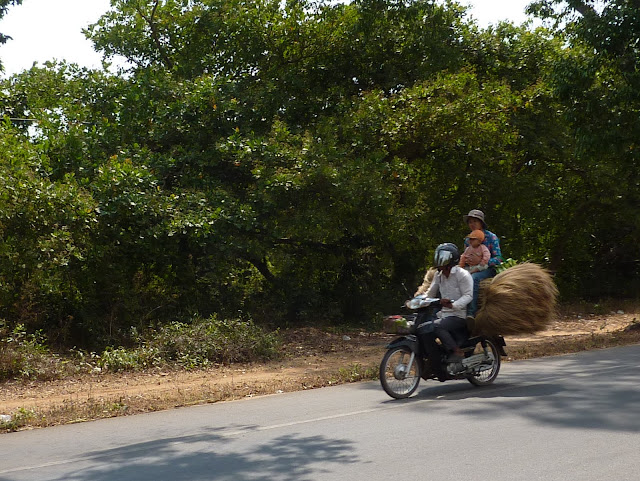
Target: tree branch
584,9
261,265
168,63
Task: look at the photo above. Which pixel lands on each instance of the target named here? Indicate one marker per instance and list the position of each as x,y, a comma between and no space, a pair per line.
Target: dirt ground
311,358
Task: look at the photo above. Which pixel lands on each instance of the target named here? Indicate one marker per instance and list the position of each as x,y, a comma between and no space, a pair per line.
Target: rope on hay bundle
519,300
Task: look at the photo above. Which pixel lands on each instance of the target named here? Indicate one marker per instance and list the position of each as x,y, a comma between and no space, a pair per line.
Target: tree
598,82
296,60
299,161
45,234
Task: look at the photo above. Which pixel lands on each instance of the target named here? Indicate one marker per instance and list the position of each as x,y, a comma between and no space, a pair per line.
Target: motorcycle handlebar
419,302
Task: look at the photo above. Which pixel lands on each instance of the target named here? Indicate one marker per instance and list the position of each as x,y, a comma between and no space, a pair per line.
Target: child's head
475,238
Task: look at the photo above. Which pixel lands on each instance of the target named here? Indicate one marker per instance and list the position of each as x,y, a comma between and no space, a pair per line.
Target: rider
475,221
455,286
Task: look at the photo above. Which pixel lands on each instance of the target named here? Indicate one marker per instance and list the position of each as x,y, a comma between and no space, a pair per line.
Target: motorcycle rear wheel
487,373
399,379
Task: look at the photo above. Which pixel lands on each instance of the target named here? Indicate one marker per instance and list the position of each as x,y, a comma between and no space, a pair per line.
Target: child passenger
475,257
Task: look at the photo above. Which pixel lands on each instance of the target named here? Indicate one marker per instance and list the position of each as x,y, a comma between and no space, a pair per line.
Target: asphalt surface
573,417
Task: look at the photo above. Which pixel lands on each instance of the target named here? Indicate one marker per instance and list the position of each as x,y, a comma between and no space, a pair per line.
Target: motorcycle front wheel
399,379
487,372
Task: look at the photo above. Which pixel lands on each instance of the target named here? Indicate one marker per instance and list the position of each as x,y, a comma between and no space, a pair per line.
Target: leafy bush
199,343
213,340
24,355
193,345
121,359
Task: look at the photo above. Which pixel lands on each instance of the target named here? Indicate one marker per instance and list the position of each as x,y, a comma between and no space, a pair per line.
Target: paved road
574,417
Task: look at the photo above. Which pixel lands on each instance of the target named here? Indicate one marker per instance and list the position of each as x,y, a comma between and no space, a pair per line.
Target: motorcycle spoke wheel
486,373
399,379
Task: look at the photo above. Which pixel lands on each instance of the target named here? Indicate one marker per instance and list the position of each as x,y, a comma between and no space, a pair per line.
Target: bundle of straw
426,283
519,300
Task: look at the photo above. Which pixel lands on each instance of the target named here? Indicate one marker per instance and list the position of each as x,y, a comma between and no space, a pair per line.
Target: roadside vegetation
126,381
199,344
211,342
299,162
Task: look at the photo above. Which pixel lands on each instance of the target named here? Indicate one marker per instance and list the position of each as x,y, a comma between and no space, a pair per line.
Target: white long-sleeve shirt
458,287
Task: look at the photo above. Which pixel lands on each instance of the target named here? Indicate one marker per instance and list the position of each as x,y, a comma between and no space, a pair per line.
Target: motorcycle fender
500,344
409,341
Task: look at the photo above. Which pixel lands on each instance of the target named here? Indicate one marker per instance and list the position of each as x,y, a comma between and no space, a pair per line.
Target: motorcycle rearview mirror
409,296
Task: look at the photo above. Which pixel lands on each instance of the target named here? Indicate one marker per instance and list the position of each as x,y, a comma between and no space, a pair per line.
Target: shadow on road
581,391
211,456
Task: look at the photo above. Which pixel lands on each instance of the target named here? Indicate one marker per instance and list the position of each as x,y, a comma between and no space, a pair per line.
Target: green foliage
597,82
121,359
197,344
26,356
21,417
299,161
212,340
45,227
506,265
295,60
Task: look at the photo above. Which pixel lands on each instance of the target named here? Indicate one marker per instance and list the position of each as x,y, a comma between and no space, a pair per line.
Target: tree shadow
582,392
208,456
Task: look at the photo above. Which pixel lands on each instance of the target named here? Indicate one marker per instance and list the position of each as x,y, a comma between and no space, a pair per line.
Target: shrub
121,359
191,345
24,355
212,340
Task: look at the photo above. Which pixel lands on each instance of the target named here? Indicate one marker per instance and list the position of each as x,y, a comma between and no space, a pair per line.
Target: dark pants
477,277
443,328
427,333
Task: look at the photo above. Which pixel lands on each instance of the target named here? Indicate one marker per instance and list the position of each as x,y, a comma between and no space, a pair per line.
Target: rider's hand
446,303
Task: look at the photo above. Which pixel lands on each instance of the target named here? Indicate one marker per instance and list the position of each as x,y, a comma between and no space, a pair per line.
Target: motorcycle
406,360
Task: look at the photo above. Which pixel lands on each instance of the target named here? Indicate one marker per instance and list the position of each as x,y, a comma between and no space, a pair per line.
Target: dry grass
572,344
520,300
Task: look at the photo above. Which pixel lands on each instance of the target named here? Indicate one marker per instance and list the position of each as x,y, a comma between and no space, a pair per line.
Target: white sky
45,30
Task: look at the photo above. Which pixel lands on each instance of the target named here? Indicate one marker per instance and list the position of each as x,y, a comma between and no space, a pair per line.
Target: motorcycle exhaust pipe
476,360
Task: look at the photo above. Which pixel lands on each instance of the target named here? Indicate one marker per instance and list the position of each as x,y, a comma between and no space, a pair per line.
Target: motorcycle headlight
414,303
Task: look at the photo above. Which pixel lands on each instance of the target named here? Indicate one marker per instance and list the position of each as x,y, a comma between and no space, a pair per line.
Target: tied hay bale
520,300
484,285
428,279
